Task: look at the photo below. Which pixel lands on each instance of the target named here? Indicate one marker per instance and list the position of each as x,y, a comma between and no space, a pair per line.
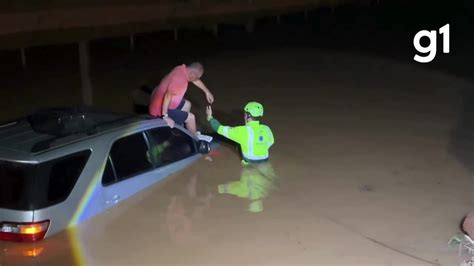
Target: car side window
129,156
168,145
64,174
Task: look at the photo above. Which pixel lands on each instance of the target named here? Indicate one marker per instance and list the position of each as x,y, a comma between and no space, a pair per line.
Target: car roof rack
61,123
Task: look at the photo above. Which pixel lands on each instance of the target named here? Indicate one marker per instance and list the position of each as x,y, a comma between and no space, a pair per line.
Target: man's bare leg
191,123
187,106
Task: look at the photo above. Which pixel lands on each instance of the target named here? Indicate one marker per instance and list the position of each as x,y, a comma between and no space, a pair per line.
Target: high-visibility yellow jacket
255,139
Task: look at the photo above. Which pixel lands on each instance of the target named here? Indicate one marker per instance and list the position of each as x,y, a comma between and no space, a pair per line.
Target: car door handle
114,200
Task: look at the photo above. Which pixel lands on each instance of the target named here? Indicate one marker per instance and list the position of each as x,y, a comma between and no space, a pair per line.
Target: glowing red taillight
23,232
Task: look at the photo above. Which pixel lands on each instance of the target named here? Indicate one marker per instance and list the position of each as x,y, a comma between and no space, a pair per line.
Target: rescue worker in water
255,140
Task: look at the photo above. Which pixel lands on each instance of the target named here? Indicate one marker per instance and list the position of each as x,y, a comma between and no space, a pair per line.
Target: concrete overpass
71,21
58,23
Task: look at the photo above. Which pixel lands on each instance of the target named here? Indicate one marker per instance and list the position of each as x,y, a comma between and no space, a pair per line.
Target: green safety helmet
255,109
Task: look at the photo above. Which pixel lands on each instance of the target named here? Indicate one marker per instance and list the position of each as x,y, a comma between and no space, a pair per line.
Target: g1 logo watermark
431,49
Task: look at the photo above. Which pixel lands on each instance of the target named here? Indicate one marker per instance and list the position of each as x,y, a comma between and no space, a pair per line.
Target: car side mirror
204,147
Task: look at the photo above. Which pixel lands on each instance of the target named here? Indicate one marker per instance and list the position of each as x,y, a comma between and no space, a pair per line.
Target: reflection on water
62,249
184,209
255,184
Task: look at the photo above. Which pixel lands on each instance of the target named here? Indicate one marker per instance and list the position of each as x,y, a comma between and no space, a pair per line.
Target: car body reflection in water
185,209
62,249
256,182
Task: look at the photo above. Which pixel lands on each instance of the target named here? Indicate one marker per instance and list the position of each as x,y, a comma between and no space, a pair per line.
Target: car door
127,169
137,161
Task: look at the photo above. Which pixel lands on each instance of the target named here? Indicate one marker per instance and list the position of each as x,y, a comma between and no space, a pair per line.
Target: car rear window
17,182
35,186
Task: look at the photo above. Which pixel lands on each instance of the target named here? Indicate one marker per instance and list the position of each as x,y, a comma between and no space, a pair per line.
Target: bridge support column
250,26
175,34
215,30
132,42
84,63
23,58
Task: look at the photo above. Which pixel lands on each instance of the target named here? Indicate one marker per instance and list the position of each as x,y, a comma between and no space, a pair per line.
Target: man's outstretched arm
203,87
214,124
232,133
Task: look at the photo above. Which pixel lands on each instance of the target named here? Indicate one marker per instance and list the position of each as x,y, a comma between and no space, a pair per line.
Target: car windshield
35,186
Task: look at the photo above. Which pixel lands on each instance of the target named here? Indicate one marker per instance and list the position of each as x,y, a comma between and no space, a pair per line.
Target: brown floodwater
362,173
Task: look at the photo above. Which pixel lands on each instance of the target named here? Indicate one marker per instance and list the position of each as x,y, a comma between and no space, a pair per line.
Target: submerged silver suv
59,167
